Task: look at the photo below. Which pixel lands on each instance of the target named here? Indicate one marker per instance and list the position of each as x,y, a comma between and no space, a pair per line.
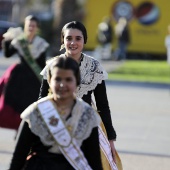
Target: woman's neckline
79,60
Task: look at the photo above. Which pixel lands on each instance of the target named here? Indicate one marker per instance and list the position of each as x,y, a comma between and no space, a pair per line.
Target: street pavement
140,114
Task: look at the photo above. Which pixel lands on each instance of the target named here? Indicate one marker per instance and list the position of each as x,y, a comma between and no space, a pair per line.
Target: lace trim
32,116
45,69
92,74
82,121
91,71
38,46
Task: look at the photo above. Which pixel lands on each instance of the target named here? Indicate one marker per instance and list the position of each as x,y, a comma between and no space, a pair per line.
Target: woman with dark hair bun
93,75
21,82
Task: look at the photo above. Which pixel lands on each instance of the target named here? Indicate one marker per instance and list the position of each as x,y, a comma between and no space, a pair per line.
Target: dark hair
66,63
74,25
33,18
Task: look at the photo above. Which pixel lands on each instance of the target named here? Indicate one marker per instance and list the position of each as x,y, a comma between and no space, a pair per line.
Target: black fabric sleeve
91,150
8,49
41,60
104,110
43,89
24,142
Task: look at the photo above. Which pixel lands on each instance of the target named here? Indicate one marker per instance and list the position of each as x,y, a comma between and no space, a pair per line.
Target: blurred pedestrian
21,82
167,44
122,34
104,38
93,75
59,132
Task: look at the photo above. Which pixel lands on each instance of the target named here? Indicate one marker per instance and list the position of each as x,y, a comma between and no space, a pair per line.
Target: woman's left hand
113,150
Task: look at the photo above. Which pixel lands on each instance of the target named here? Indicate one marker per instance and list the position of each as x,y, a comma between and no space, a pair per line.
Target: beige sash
105,147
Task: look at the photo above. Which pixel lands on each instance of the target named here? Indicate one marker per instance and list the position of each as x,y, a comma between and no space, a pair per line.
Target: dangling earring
62,47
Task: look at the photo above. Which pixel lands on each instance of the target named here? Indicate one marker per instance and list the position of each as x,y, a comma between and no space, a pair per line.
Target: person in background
167,44
21,82
59,131
105,38
122,34
93,75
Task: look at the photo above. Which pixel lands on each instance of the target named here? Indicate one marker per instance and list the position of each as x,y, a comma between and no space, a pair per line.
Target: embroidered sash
29,59
61,135
105,147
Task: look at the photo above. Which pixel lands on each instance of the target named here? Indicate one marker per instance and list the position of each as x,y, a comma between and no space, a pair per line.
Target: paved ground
141,117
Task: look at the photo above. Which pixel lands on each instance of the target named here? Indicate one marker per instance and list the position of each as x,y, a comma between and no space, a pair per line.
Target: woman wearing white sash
93,75
59,132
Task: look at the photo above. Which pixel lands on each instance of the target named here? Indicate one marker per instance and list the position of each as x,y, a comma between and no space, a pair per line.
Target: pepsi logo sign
147,13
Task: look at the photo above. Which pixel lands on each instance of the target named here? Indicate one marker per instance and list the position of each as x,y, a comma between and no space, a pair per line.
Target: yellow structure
148,21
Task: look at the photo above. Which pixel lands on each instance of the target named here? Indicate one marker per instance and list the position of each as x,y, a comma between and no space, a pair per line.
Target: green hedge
144,71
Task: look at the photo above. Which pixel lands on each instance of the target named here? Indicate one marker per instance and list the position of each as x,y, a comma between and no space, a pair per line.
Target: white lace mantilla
91,71
38,46
82,121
